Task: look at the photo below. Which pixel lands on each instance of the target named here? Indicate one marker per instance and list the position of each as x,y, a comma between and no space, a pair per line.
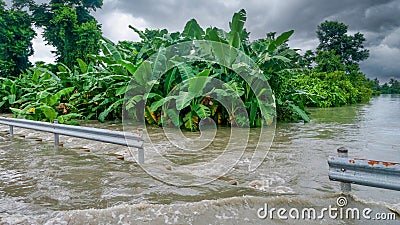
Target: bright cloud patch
115,26
42,51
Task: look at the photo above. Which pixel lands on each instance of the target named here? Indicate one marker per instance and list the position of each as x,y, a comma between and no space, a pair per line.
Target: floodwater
86,182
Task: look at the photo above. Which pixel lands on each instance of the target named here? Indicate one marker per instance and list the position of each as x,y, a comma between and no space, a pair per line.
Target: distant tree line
391,87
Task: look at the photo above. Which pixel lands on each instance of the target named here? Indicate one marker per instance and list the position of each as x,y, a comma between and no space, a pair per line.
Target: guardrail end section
373,173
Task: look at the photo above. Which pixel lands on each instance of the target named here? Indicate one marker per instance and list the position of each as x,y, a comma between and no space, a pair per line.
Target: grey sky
378,20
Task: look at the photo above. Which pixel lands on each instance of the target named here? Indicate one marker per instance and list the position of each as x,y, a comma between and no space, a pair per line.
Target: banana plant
41,97
9,93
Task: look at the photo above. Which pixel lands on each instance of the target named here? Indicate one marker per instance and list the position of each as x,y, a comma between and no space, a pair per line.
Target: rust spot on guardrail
389,164
373,162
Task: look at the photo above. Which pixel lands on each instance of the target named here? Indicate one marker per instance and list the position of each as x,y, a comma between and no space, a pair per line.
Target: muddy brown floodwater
84,182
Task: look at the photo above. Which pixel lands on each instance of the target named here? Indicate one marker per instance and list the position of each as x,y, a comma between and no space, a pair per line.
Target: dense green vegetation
67,25
89,84
335,79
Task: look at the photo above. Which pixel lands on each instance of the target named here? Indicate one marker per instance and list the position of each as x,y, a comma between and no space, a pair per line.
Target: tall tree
68,26
333,36
16,36
328,61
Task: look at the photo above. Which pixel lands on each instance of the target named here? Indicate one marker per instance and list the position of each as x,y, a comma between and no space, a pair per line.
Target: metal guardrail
365,172
95,134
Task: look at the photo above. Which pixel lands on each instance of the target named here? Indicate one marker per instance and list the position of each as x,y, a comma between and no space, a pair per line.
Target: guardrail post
344,153
11,131
140,150
141,155
56,136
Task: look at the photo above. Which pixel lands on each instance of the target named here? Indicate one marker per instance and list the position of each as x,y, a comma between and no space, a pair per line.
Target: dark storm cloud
264,16
172,14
